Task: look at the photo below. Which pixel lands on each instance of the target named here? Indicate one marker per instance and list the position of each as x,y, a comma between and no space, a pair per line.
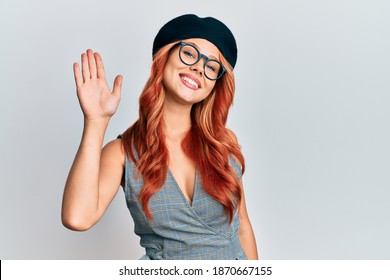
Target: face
188,84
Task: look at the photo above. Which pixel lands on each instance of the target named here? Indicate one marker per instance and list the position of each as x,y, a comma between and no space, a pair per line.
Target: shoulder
114,151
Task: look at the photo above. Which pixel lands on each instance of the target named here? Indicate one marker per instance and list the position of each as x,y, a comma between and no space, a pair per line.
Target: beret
191,26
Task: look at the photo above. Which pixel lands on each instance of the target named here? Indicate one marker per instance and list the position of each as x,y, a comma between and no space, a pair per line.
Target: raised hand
96,99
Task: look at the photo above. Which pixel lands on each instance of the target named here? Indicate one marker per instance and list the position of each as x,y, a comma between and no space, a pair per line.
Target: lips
190,81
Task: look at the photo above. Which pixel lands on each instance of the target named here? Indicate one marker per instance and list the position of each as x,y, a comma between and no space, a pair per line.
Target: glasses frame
200,56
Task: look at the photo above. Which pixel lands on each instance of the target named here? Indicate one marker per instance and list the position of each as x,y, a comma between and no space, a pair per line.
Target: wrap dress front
180,230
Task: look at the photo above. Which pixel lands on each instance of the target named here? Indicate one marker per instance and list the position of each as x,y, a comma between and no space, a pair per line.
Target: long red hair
208,143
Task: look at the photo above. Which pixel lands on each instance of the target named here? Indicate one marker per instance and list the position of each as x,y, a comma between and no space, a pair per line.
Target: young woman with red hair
179,166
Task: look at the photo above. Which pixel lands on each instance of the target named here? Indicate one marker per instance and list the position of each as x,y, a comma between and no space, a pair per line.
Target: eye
211,68
188,53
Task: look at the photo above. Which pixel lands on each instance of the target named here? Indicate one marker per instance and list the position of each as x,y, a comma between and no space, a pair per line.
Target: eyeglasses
190,55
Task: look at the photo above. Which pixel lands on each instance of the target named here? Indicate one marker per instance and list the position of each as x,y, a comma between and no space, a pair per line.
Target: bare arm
95,175
246,235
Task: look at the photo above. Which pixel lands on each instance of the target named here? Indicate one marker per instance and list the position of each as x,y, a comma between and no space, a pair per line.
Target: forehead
204,46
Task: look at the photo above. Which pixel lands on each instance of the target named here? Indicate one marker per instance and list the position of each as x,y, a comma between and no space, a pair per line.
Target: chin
190,98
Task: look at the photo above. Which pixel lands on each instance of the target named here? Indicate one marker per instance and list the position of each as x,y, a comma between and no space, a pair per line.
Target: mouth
190,81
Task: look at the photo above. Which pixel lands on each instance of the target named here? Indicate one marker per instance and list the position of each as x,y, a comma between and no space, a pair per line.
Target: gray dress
180,230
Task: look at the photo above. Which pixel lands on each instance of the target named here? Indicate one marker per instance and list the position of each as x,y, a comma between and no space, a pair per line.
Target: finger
100,66
117,86
91,63
85,67
77,74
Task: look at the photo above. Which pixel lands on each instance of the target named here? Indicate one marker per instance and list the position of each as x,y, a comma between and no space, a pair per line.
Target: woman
179,166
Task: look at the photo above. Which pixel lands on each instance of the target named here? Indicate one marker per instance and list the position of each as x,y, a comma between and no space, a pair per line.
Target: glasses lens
189,55
213,69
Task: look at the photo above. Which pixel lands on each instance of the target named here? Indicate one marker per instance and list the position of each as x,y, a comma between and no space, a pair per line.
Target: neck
177,121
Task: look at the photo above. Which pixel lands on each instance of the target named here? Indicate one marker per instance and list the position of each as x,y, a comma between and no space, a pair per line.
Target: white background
311,113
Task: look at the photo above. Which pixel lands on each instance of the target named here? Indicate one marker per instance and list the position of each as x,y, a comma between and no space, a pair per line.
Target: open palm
96,99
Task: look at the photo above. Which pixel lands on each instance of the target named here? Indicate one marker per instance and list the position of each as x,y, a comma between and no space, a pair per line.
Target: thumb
117,85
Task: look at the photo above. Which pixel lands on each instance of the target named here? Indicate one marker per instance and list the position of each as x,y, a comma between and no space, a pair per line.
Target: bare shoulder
112,163
113,151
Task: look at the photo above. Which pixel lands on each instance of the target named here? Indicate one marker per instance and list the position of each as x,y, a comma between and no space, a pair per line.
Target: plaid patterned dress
180,230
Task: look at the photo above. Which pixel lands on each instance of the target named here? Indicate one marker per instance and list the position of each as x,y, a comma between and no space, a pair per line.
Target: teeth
192,82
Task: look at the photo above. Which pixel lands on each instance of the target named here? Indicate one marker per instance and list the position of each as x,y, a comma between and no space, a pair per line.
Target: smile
190,81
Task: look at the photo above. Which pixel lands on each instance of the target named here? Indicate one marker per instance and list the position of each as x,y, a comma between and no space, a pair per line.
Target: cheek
167,75
209,86
207,91
170,70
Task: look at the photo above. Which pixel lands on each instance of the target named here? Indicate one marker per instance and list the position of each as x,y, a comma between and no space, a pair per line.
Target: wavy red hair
208,143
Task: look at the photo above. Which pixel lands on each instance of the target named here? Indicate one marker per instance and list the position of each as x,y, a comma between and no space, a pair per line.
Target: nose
198,67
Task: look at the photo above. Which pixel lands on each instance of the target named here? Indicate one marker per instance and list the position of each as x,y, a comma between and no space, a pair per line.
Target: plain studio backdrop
311,113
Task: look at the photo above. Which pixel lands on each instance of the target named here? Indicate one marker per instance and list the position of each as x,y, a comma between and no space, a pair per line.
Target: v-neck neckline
189,203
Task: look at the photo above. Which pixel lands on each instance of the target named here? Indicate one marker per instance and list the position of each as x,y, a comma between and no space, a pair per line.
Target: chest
170,206
183,171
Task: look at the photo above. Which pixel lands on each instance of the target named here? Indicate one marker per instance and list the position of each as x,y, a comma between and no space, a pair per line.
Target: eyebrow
209,56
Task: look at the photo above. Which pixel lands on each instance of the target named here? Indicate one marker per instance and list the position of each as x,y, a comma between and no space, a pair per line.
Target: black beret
192,26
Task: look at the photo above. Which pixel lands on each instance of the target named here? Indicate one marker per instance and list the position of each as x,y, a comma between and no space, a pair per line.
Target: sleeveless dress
180,231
